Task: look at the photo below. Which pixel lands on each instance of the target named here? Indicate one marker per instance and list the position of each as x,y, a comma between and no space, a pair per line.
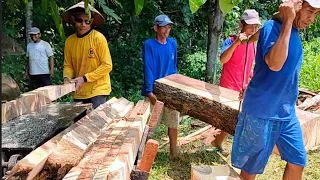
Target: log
212,104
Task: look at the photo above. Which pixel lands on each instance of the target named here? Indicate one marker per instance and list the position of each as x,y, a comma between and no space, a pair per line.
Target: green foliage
194,65
309,76
195,5
138,4
108,11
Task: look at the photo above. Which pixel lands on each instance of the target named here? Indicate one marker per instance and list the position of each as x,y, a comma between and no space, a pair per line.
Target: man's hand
153,98
242,92
242,38
79,82
51,73
287,11
66,80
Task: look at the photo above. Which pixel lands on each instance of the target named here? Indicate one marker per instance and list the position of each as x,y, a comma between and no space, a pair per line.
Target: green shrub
194,65
310,71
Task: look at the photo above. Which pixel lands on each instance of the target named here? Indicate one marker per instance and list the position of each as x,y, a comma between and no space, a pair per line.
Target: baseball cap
250,16
314,3
162,20
34,30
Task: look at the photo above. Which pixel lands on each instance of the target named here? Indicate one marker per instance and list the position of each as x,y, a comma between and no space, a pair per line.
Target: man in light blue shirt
39,53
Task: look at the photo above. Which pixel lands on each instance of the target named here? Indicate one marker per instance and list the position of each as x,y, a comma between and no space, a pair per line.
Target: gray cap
162,20
34,30
250,16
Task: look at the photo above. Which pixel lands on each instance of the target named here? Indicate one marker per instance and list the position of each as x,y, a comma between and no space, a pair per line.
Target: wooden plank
31,165
34,100
119,163
223,172
149,155
142,144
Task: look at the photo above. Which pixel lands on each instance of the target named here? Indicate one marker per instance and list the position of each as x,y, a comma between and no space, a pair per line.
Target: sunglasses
79,20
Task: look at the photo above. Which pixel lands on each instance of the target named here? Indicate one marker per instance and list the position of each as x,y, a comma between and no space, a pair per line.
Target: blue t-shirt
159,60
270,94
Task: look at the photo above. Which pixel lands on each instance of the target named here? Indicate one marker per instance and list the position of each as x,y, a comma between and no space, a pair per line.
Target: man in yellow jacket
87,59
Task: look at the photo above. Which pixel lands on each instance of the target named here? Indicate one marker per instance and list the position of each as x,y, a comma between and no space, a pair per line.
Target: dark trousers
40,80
96,101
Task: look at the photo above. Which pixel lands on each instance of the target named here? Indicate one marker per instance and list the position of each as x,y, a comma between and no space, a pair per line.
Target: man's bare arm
278,54
51,59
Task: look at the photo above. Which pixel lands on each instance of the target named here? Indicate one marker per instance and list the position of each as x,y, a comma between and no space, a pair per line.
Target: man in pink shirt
233,58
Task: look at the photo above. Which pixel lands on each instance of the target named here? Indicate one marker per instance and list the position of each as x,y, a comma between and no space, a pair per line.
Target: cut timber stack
218,106
102,145
34,100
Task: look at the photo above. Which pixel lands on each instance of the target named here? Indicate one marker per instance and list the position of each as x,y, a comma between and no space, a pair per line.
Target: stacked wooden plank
34,100
102,145
218,106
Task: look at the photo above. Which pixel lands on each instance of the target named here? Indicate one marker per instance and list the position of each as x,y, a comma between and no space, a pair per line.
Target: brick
149,155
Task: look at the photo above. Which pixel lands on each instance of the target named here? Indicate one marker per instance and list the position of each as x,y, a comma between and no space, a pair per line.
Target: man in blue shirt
160,60
268,116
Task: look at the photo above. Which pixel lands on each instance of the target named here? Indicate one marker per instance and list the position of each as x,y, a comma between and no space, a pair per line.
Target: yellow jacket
88,56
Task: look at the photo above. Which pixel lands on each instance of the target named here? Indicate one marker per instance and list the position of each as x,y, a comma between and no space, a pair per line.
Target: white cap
314,3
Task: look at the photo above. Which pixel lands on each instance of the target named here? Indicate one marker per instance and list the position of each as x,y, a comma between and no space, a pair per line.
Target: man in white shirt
39,53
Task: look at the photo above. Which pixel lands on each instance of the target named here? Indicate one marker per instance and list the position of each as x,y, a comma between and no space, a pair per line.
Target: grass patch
194,154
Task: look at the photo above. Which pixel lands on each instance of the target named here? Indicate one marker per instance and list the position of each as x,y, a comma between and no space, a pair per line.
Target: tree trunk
28,20
215,22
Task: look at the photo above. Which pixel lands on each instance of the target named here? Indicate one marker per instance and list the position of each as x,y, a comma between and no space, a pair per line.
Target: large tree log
219,106
212,104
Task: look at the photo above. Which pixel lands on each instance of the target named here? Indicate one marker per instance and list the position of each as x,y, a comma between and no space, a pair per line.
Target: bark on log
209,103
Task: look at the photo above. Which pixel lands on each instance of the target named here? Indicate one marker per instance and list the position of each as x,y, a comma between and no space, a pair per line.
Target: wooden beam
34,100
209,103
149,155
119,162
